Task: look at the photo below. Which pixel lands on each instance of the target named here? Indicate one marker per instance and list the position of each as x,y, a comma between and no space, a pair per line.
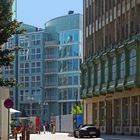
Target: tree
77,109
8,28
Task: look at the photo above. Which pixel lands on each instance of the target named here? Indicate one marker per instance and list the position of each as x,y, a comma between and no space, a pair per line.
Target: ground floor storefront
115,113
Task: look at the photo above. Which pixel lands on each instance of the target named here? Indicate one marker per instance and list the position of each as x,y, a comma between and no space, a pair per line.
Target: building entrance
108,116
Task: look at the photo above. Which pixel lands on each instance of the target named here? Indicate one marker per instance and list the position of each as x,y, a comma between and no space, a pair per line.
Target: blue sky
37,12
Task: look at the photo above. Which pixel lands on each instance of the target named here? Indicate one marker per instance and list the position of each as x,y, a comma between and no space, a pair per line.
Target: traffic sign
8,103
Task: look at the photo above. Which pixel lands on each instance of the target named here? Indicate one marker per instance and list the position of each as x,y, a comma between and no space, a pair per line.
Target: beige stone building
4,94
111,70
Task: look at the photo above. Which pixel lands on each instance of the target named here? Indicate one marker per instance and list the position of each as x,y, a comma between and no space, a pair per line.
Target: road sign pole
8,121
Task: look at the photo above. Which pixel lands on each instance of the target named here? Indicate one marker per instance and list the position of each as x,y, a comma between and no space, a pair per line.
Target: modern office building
111,68
62,58
27,69
48,67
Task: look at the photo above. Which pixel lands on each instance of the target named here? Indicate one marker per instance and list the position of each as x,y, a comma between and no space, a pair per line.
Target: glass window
33,64
26,65
38,78
75,64
75,80
69,65
38,56
21,65
113,68
99,74
38,69
38,64
33,70
26,78
70,80
70,50
85,79
122,66
33,51
92,76
105,71
133,62
76,36
38,50
76,50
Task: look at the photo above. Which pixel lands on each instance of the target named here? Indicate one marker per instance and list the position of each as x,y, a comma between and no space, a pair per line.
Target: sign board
8,103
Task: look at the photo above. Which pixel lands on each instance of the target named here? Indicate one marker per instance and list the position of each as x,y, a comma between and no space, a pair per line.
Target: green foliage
8,28
77,109
12,123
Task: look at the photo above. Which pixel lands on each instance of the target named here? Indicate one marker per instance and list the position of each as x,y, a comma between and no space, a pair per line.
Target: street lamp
30,99
42,105
76,99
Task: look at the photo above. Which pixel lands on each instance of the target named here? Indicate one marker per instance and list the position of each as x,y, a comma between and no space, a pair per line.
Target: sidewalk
46,136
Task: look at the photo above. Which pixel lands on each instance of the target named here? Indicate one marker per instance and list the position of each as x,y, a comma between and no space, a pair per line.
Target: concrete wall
66,123
4,94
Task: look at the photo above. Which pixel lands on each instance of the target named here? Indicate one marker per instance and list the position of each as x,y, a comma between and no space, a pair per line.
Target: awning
12,111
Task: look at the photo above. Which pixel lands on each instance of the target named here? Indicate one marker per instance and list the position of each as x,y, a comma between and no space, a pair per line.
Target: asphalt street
64,136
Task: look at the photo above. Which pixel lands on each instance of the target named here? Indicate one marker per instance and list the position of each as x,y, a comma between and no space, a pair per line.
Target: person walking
44,127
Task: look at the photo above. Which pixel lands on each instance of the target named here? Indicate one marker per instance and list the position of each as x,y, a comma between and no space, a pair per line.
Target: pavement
64,136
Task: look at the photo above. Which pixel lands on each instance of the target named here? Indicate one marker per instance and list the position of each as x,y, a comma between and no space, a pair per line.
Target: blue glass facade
66,56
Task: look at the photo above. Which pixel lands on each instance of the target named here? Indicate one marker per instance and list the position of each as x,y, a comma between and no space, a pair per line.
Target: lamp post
42,105
30,99
76,98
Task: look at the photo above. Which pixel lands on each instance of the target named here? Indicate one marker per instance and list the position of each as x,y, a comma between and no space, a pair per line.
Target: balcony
51,85
84,93
130,82
51,57
51,44
104,88
90,92
111,86
51,71
97,90
120,85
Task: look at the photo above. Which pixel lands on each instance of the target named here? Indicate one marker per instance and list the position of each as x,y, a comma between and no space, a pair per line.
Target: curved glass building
62,58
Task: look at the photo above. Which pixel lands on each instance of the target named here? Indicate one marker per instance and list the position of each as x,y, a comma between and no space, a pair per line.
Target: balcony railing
51,43
51,56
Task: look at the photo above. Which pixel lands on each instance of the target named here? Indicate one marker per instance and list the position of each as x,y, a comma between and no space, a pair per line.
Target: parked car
86,130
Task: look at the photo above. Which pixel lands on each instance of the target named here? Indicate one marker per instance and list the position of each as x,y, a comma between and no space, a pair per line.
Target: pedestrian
51,126
44,127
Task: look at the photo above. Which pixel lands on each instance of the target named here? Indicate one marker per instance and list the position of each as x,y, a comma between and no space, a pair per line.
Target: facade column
113,118
121,111
130,115
138,110
105,114
98,114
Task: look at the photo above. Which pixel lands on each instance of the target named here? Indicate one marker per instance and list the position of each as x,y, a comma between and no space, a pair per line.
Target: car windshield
85,125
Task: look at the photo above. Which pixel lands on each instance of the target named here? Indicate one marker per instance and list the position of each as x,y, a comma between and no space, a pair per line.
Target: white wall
66,123
4,94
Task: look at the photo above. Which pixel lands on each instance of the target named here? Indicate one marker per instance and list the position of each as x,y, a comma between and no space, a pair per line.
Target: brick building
111,70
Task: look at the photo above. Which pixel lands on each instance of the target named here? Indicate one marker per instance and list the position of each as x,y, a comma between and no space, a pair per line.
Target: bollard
23,135
27,135
20,138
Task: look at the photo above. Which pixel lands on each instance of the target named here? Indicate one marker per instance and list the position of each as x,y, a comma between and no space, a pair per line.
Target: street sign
8,103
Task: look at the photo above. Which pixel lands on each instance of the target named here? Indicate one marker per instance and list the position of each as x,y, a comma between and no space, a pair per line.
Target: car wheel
98,134
81,135
75,135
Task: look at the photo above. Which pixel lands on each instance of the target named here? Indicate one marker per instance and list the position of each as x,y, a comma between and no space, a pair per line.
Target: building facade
111,72
27,70
63,55
47,67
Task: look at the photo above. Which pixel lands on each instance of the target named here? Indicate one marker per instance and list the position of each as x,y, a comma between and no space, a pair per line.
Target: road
64,136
